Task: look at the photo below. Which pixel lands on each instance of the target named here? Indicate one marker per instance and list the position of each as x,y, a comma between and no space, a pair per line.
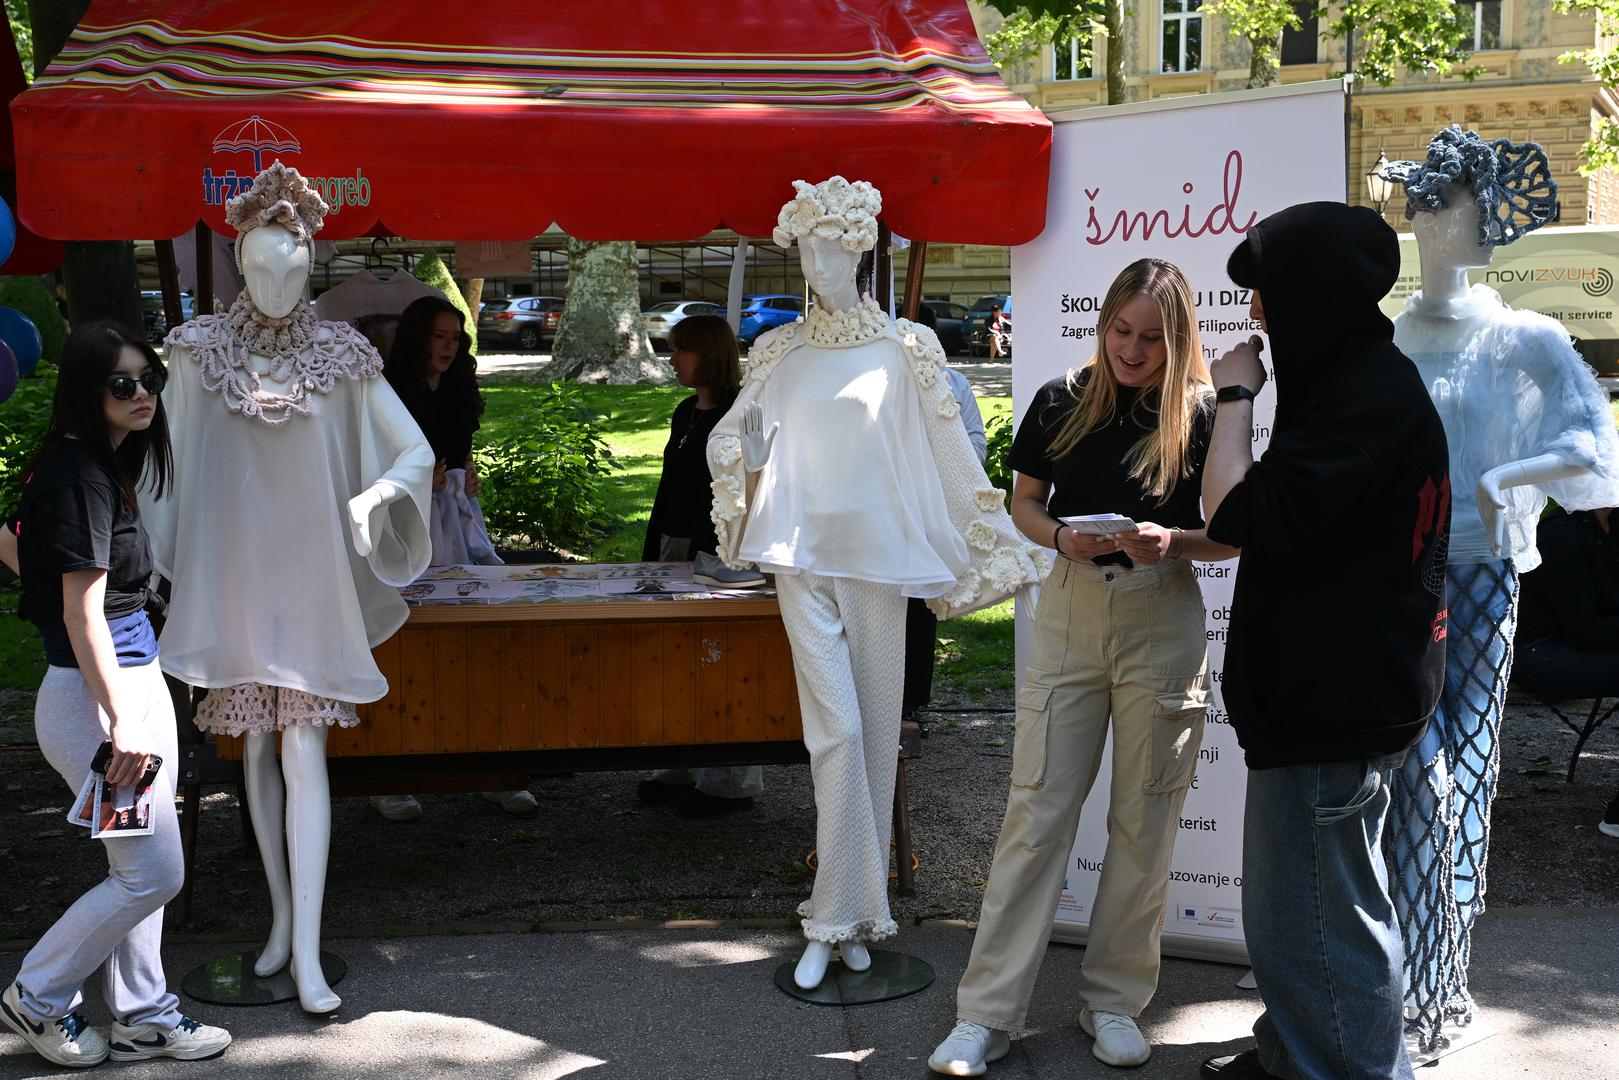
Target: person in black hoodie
1335,653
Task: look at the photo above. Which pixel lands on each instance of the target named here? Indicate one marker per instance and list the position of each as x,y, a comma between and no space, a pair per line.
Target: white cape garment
1508,385
925,433
254,534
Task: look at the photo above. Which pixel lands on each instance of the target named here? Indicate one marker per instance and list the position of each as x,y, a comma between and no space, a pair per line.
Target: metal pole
168,276
205,269
914,269
1349,113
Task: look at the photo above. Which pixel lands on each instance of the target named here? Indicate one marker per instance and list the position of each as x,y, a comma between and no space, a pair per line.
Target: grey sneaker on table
711,570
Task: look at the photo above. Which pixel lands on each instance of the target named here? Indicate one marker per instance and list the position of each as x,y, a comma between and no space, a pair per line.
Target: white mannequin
1448,242
829,270
276,268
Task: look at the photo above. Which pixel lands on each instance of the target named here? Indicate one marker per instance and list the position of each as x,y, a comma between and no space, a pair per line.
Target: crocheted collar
281,340
859,325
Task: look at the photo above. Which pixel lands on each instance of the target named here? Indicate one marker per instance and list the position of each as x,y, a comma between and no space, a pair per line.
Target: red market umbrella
646,119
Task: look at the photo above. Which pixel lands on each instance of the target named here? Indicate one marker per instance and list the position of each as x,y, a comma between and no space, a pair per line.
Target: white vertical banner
1180,180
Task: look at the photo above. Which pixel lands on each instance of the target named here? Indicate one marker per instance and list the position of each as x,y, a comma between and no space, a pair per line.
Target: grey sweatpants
118,925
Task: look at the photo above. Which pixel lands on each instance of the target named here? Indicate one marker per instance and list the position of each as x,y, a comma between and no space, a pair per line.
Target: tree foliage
1601,150
430,270
22,31
1032,24
1424,37
1260,23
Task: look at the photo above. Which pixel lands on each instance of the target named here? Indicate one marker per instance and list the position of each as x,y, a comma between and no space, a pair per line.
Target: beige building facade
1173,50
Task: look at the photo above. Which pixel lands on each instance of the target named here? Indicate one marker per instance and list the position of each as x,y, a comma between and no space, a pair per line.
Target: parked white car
660,319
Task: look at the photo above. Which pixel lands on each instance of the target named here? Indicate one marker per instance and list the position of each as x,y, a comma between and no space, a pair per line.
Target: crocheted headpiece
279,196
834,209
1510,182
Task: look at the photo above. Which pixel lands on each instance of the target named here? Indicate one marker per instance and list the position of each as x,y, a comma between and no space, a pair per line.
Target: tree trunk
1114,22
601,338
472,293
1263,70
100,275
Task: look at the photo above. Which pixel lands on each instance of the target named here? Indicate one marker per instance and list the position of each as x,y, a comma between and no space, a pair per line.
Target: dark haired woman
79,547
705,359
432,370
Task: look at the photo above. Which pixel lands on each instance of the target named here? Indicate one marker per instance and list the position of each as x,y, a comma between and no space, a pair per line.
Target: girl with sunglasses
78,545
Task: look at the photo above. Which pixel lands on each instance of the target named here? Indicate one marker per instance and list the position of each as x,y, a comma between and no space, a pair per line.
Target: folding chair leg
1591,724
902,833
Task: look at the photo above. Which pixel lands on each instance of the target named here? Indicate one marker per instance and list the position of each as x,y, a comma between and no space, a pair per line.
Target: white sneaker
1118,1040
711,570
70,1041
189,1041
968,1049
397,807
521,801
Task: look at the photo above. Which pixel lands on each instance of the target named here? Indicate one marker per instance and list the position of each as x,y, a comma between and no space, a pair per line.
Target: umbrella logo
256,136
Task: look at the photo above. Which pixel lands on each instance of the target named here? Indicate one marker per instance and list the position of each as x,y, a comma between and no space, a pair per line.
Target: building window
1486,24
1183,35
1066,62
1302,46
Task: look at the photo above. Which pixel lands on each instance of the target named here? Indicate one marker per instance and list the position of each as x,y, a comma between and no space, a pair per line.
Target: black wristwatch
1234,392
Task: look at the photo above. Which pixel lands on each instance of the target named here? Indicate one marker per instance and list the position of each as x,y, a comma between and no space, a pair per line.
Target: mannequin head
276,222
829,267
275,267
1509,184
1450,236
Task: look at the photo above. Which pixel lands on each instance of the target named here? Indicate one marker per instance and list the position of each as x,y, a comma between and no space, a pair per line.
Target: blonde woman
1120,633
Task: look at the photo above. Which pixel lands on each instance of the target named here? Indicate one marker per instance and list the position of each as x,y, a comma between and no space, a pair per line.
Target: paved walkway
699,1004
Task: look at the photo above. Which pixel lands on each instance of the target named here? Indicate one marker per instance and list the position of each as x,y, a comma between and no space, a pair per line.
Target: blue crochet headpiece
1511,182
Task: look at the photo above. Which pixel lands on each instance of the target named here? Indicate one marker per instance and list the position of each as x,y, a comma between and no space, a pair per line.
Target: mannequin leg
266,801
855,956
811,967
309,827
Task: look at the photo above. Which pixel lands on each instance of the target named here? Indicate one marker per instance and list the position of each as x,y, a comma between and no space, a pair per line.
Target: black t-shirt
73,517
1093,477
448,418
685,496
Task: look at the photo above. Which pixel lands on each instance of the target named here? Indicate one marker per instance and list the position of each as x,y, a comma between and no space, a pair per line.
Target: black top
1335,649
1092,478
684,498
73,517
1573,595
448,419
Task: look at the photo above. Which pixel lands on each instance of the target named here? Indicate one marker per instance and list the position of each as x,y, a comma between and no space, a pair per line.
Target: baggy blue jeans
1320,926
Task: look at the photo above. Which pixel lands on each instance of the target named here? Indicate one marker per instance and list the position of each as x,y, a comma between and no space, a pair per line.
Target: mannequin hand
1083,547
1148,546
1492,510
1240,366
362,506
474,482
438,476
131,752
756,441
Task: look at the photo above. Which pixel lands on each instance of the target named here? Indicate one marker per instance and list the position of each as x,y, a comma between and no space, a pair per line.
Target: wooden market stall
648,119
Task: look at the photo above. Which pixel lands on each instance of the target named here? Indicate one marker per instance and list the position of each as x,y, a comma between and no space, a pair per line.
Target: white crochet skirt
257,709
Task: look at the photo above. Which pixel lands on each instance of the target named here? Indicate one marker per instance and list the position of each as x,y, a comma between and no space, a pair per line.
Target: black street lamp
1378,186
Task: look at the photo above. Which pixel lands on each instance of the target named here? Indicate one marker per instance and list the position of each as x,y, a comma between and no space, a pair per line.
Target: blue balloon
19,332
8,231
8,372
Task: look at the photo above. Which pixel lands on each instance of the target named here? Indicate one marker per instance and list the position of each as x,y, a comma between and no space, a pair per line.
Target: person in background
1568,615
706,360
79,547
1000,329
1119,644
921,625
432,370
1335,650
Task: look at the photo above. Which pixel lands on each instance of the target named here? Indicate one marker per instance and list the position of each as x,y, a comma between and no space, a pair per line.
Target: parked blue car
760,313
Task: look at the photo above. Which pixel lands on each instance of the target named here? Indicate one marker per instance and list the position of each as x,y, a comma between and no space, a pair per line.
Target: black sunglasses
122,387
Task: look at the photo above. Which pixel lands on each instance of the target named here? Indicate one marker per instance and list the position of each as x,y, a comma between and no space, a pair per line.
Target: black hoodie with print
1335,648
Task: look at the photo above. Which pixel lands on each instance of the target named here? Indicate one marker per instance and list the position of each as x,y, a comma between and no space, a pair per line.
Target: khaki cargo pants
1128,644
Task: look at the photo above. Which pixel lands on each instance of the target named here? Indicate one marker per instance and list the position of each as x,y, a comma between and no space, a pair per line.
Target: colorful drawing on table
667,571
439,573
571,573
467,588
555,588
417,591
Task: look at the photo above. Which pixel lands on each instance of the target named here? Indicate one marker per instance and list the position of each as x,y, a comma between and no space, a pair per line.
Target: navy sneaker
186,1041
70,1041
1609,825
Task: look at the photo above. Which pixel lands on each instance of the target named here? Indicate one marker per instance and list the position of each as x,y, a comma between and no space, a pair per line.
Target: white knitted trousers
848,640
